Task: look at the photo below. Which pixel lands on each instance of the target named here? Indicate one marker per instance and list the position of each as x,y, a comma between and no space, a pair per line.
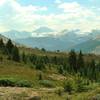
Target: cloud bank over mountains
58,15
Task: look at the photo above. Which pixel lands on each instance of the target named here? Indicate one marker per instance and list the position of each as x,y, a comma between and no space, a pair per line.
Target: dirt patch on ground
15,93
57,77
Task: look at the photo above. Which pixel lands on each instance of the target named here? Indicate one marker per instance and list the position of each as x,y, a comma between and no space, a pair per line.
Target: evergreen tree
93,69
40,66
15,54
40,77
1,59
43,49
54,60
80,62
9,46
1,44
73,60
60,70
24,59
68,86
92,64
80,85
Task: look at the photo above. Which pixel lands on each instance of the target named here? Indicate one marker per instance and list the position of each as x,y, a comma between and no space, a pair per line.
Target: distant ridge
88,42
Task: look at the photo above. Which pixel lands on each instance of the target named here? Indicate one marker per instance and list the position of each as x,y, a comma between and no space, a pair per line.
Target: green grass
21,71
22,74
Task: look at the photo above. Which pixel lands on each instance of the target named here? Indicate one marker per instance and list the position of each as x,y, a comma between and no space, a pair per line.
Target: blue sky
28,15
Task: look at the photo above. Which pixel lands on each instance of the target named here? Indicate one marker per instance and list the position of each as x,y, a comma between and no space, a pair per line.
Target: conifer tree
9,46
73,60
1,44
60,70
80,62
24,59
93,69
15,54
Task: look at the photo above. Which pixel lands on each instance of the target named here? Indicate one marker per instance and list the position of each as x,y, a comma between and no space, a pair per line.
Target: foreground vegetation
51,75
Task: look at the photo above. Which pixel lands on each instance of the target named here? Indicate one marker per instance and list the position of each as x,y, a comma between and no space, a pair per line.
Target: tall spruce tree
24,59
15,54
93,69
9,46
80,62
73,60
2,45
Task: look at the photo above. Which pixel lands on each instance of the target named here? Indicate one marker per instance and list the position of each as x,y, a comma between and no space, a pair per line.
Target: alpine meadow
49,50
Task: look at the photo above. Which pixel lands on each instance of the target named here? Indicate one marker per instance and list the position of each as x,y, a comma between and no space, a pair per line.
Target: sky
28,15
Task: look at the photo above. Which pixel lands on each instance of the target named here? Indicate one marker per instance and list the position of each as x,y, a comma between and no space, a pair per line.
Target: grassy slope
20,71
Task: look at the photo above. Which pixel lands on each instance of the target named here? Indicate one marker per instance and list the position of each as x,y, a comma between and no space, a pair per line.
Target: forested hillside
71,76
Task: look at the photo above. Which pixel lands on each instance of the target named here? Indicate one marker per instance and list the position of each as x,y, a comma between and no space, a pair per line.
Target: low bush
80,85
15,83
68,86
7,82
35,98
47,83
23,83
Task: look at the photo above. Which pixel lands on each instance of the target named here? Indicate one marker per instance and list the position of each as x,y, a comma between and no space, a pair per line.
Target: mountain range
66,40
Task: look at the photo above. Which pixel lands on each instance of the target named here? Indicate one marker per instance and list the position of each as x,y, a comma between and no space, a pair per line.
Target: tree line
10,49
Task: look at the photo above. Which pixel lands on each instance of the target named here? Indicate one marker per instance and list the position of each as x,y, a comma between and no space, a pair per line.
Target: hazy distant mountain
43,30
92,44
63,42
68,40
16,34
4,38
49,43
73,36
42,38
89,46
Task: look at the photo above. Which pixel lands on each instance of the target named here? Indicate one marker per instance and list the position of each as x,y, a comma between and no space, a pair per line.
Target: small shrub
35,98
40,76
44,50
7,82
80,87
40,66
47,83
13,83
68,86
59,92
60,70
96,97
1,58
23,83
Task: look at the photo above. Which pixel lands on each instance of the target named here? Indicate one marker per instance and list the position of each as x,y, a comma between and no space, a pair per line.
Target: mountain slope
48,43
4,38
63,42
88,46
16,34
43,29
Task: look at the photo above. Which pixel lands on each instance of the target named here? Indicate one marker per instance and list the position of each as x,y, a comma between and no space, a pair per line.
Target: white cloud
14,16
70,7
58,1
44,9
2,2
75,9
78,16
18,17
